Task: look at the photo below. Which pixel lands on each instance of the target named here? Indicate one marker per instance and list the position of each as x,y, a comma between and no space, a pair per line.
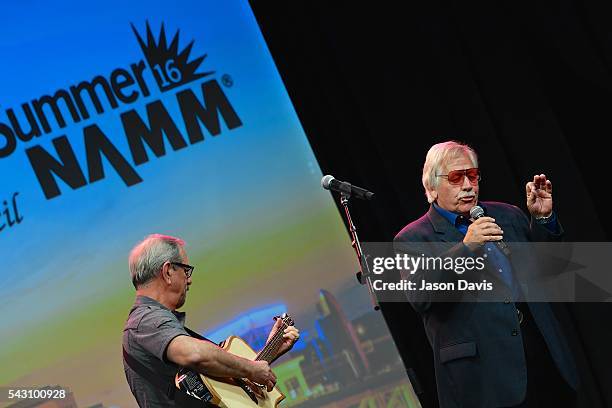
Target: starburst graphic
170,67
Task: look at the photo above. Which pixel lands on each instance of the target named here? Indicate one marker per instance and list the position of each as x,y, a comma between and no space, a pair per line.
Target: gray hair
147,257
437,156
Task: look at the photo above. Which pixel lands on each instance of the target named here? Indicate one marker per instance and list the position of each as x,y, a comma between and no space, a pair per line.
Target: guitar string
273,344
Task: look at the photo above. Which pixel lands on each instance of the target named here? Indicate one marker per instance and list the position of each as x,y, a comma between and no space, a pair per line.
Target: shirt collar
451,216
147,301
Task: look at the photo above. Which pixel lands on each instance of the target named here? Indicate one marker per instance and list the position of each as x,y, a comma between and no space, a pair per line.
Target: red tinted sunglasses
455,177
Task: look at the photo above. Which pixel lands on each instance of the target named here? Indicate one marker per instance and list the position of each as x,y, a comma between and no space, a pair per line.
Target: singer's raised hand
483,230
539,196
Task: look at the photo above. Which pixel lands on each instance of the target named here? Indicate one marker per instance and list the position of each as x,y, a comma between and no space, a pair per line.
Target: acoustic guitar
236,392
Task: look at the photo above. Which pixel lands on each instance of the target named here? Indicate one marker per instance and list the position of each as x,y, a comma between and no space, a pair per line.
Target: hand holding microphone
483,230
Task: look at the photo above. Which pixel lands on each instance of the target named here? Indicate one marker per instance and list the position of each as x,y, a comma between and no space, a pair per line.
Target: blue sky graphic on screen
130,118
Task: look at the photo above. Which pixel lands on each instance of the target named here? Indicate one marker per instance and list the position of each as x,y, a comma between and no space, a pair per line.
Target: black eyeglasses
456,177
187,268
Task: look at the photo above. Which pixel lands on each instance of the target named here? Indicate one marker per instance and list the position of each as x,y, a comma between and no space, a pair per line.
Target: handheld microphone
476,212
330,183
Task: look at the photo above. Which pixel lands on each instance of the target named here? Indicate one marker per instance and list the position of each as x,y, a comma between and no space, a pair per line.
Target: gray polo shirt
148,331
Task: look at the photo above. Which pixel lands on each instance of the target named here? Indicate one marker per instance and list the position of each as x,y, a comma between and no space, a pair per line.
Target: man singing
154,334
495,354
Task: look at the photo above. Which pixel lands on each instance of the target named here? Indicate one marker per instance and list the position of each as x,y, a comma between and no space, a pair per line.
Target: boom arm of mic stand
364,275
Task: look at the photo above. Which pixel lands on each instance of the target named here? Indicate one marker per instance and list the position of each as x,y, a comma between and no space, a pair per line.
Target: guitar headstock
286,319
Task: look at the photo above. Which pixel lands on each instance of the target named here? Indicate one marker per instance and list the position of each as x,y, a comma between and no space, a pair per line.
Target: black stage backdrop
527,84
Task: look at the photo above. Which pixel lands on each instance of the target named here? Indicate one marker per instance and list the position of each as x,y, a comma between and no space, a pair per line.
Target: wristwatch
545,220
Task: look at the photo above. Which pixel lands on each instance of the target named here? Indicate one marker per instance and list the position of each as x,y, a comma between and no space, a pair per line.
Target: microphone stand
364,276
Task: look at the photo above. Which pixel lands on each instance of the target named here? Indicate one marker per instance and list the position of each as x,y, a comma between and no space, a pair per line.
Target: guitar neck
271,348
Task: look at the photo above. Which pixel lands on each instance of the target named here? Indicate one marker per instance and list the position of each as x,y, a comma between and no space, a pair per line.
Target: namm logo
202,107
170,68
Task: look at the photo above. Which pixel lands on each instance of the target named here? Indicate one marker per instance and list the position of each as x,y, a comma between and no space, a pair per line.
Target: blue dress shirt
493,255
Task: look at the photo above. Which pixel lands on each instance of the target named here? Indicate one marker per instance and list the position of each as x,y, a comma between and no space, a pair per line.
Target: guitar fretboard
269,351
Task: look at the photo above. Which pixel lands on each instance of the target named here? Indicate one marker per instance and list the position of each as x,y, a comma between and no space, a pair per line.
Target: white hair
147,257
436,159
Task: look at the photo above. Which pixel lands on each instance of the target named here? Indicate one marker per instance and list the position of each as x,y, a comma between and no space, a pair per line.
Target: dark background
527,84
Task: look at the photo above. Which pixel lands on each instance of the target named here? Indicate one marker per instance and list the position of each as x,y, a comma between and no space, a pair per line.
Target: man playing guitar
154,336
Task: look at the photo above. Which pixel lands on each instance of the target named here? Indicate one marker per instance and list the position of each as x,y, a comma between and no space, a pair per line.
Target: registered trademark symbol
227,80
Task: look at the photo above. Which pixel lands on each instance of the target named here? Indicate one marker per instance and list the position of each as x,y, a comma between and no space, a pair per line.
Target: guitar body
235,392
227,393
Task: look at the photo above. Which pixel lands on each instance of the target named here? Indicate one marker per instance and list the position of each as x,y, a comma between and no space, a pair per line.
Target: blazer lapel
445,231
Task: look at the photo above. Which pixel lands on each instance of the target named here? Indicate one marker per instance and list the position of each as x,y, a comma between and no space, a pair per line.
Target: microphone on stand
347,189
330,183
476,212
